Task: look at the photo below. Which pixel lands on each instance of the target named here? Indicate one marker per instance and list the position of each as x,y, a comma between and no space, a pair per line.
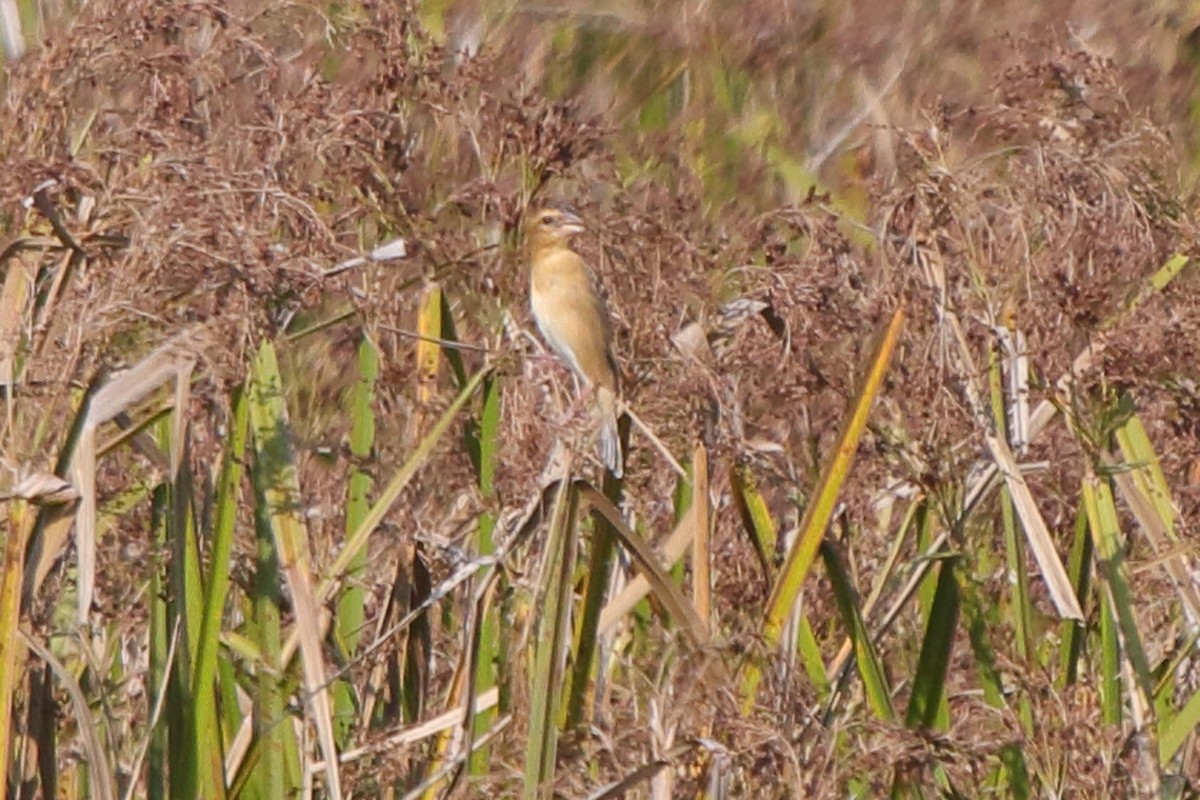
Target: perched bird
572,317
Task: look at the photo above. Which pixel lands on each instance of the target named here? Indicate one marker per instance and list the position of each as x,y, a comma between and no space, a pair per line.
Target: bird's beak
571,223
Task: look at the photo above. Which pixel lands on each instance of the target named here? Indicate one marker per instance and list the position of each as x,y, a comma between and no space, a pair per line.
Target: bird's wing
573,317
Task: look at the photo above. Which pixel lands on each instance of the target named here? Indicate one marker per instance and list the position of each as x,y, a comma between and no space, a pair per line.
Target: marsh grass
908,320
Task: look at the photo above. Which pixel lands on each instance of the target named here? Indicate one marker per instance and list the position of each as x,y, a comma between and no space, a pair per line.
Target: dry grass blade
680,609
622,787
10,30
820,510
20,519
672,550
171,361
1053,571
13,300
1173,561
101,782
412,734
1148,494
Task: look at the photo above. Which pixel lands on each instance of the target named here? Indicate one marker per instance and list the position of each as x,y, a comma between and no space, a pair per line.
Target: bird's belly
543,314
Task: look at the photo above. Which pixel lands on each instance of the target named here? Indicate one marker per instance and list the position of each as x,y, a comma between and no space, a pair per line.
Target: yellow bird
572,317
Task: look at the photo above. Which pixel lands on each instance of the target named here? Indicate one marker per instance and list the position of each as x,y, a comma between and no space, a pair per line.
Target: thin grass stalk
187,601
602,557
281,491
158,679
420,455
267,778
816,517
210,756
490,641
20,522
548,656
1014,548
701,568
350,610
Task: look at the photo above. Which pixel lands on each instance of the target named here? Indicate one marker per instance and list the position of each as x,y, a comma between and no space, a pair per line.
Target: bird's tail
610,439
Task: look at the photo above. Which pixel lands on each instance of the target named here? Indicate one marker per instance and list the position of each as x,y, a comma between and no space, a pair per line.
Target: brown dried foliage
231,160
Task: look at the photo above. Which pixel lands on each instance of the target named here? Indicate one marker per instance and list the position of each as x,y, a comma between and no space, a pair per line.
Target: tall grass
328,531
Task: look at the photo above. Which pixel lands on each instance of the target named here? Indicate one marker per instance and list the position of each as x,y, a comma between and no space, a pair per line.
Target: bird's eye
548,219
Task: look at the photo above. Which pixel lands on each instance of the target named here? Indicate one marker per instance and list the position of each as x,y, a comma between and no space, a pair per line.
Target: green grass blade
362,440
280,485
206,731
1110,667
1118,628
548,658
812,658
1079,569
816,516
756,518
158,755
490,642
268,777
926,706
350,610
1173,732
870,667
378,511
602,557
186,610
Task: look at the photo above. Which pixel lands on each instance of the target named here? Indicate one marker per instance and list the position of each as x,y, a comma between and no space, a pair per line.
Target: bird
573,318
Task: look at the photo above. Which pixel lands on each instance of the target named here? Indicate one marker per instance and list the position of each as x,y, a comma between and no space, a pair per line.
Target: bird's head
552,227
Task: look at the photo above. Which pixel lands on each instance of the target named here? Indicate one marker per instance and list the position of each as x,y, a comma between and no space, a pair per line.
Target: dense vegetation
909,332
